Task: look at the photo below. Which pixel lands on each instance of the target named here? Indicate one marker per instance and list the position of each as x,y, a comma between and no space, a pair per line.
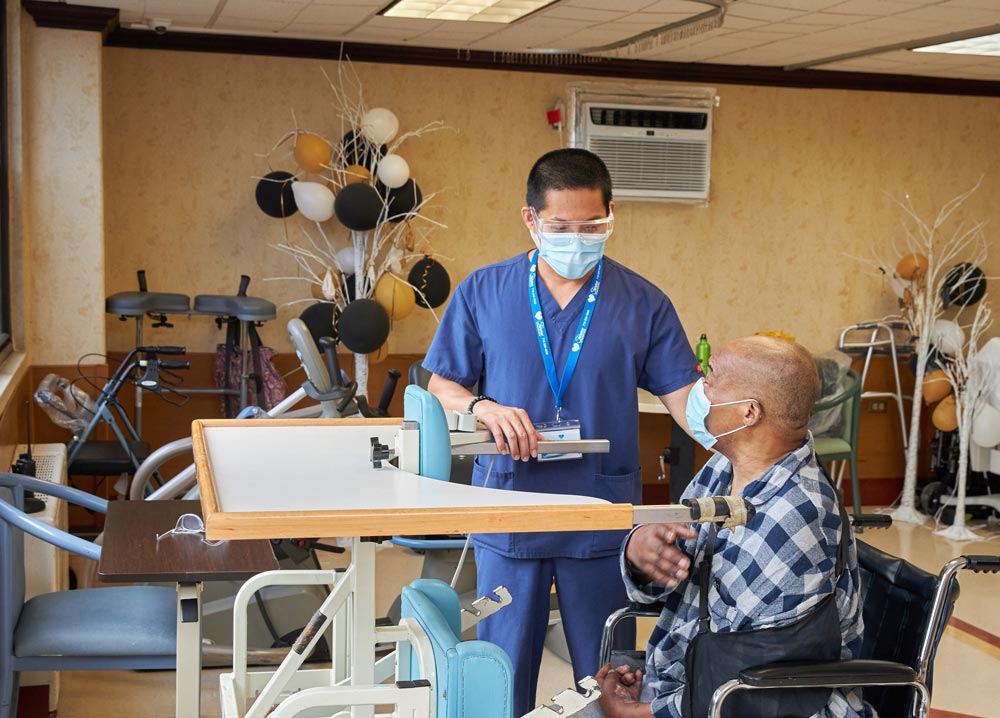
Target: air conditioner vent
655,119
668,165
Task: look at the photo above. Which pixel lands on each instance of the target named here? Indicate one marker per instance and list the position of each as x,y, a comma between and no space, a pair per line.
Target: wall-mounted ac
657,147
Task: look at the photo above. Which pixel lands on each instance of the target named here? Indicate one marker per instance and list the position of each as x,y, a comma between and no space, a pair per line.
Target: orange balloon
379,355
936,386
355,174
396,297
312,152
316,290
912,266
945,417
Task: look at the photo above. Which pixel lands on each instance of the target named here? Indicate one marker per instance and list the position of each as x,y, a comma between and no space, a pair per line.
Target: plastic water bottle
702,352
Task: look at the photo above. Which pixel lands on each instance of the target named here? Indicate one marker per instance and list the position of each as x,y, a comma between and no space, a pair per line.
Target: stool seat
252,309
137,304
106,458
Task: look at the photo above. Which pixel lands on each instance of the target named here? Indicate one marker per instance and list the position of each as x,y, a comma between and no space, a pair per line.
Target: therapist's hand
511,428
651,549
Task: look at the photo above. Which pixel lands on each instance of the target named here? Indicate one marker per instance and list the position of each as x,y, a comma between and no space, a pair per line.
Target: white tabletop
650,404
288,478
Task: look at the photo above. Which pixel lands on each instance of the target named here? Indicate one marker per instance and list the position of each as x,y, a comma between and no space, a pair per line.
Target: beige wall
63,194
801,181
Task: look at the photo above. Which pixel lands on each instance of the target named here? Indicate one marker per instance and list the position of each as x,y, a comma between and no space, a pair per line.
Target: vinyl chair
122,628
844,447
906,611
472,679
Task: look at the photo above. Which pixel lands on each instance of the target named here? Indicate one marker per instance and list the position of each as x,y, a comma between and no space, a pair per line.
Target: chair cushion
136,304
227,305
121,621
829,446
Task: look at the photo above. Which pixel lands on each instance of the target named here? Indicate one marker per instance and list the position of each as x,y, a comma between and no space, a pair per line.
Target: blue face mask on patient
697,410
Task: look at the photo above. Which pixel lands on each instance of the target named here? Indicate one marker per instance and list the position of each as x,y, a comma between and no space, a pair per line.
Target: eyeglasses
559,231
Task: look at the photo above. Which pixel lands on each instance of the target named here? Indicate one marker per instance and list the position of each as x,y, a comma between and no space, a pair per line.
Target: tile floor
967,671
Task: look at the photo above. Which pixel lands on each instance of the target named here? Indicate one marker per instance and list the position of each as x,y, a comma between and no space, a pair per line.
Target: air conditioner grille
647,163
653,119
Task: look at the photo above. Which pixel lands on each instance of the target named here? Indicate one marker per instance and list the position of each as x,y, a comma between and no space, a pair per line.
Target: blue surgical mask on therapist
697,410
571,257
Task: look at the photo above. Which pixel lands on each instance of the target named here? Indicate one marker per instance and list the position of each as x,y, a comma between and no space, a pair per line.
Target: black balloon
274,194
363,326
403,200
432,280
965,284
358,207
357,150
320,319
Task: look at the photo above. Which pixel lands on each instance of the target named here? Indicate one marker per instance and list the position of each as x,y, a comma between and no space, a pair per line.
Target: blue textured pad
421,406
121,621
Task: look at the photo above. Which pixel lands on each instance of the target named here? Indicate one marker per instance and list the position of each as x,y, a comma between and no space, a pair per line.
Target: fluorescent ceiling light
982,45
462,10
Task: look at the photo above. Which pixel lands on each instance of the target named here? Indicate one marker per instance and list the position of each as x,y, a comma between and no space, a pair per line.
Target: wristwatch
478,399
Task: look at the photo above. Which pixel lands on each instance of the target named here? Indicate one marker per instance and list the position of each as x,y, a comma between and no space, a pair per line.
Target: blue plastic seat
474,679
130,627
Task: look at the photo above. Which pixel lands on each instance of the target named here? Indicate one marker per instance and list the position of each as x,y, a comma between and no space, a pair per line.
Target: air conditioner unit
46,568
656,142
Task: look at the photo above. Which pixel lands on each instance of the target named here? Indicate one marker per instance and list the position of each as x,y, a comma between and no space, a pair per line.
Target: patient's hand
620,689
651,550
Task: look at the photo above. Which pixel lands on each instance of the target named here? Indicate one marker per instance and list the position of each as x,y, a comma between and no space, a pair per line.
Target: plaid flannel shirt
767,573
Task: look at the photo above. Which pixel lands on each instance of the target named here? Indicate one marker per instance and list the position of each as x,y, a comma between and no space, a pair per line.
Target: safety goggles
559,231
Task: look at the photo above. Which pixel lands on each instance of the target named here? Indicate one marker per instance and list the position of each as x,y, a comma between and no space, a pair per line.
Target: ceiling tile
872,7
580,13
678,6
335,14
800,5
955,15
762,12
262,11
830,18
623,5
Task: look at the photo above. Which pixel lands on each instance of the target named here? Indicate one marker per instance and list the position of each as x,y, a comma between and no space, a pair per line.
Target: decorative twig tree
362,181
922,279
968,384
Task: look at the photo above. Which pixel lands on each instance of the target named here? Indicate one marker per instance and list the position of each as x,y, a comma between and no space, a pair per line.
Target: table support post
188,691
363,636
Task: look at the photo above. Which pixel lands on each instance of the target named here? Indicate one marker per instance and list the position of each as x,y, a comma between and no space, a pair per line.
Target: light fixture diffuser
982,45
502,11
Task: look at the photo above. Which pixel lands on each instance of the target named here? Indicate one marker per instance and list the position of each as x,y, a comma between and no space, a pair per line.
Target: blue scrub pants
589,590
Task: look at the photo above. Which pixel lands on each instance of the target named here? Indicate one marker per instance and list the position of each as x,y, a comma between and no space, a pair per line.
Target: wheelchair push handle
871,521
986,564
141,276
165,350
175,364
388,391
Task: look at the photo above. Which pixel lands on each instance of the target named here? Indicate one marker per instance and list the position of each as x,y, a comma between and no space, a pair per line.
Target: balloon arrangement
382,268
929,280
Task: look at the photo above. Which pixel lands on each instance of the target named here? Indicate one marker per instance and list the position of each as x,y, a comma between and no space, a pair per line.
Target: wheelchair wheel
930,501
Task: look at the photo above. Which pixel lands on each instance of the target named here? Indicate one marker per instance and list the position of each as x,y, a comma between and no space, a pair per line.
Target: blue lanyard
559,388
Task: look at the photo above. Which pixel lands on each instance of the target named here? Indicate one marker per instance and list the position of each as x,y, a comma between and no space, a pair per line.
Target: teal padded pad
474,678
421,406
484,687
120,621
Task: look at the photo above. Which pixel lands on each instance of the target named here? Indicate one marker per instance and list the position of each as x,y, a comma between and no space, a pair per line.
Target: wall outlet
877,407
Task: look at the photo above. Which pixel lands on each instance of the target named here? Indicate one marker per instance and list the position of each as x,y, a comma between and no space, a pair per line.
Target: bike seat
137,304
251,309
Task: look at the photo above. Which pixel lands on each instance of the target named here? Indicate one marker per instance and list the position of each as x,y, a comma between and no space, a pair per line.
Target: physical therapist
559,336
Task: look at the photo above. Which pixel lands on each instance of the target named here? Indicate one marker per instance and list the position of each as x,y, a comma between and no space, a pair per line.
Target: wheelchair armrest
59,491
832,674
632,610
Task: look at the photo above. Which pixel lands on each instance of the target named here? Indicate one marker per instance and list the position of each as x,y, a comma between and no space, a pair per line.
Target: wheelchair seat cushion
79,623
827,446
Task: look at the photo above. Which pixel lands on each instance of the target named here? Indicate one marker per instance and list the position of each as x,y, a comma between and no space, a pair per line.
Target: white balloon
947,336
314,200
986,426
329,286
393,170
898,285
379,125
345,260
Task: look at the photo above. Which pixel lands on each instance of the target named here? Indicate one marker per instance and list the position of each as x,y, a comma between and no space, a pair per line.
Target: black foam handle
388,390
989,564
168,350
174,364
141,274
244,283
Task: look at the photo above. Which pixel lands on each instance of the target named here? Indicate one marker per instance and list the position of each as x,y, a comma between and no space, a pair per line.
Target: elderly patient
752,408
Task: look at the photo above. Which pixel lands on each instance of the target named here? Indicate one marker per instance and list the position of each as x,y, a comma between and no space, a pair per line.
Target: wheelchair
905,613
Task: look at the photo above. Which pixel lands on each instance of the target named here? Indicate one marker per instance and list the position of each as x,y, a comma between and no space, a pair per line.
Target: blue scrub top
635,339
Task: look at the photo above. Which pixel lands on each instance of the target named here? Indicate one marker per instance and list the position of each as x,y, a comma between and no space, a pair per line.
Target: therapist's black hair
569,168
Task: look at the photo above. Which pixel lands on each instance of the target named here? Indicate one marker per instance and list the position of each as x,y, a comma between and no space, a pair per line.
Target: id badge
568,429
